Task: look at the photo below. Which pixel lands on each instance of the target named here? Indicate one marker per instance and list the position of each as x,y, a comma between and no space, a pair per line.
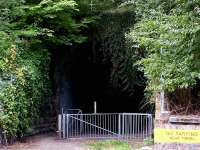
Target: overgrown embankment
29,31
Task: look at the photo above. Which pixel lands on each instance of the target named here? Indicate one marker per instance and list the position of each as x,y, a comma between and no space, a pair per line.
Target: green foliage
111,36
96,6
117,145
54,21
148,141
27,33
169,35
23,84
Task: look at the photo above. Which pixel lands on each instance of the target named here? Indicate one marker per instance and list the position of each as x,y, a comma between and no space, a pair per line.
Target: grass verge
110,145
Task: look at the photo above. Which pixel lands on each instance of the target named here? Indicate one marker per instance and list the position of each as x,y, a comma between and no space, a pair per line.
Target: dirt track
47,142
51,142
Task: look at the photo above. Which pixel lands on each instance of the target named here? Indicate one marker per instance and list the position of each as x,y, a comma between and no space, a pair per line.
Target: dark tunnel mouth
80,80
82,75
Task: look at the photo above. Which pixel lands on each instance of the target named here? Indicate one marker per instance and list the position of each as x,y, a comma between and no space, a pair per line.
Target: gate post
67,126
151,126
63,126
119,126
81,124
123,125
60,126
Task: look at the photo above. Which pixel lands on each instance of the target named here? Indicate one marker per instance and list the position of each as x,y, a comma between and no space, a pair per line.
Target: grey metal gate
105,125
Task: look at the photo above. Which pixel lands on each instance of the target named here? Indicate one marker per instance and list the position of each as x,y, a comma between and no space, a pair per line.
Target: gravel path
47,142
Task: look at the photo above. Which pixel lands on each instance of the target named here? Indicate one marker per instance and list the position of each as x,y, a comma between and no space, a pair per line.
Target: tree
169,33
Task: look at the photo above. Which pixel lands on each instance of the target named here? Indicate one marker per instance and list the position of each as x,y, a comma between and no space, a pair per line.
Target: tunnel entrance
87,78
82,75
80,78
91,82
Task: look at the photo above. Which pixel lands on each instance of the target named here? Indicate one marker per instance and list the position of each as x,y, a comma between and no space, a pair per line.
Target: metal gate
106,125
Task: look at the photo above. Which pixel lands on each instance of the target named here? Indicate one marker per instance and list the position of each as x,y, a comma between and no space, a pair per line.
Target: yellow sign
176,136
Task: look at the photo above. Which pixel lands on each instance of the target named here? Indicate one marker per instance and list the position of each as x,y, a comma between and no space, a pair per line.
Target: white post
119,126
162,93
162,101
67,127
95,107
60,126
64,123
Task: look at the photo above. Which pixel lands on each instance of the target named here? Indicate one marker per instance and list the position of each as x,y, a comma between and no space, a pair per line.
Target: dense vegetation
168,33
124,75
162,40
28,30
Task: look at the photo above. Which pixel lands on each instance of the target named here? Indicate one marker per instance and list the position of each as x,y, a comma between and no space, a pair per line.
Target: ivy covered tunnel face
83,74
101,69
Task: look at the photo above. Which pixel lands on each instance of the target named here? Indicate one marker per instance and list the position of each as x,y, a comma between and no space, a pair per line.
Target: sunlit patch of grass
110,145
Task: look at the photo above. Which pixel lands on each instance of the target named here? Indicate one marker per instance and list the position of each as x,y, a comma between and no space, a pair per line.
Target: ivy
28,30
24,82
124,74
